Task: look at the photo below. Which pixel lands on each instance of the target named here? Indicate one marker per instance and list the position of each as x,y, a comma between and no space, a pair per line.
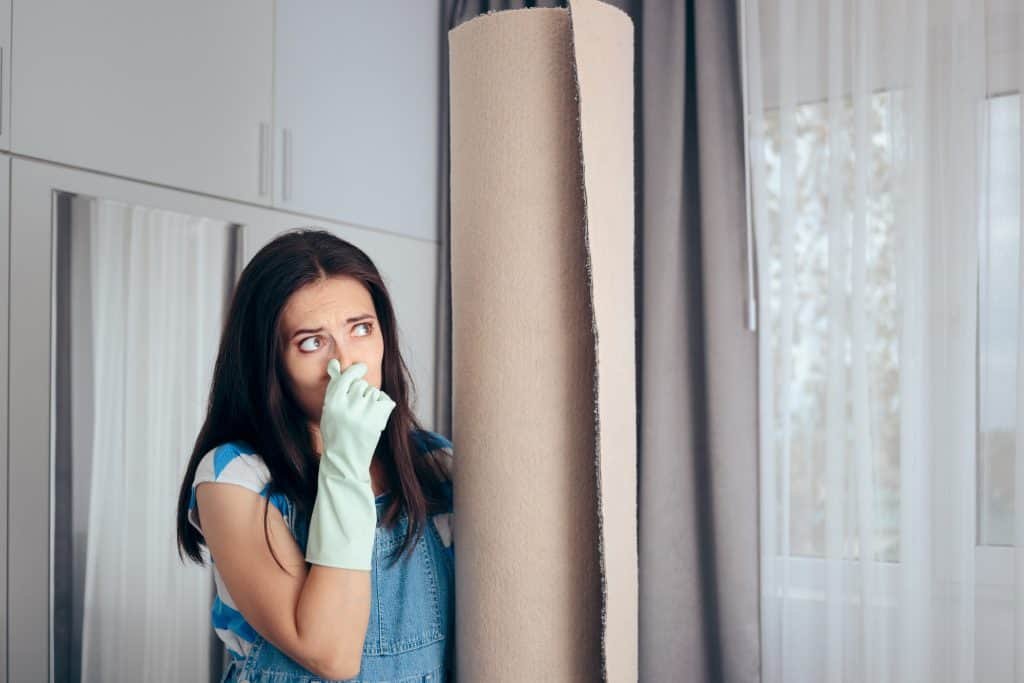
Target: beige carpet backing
543,393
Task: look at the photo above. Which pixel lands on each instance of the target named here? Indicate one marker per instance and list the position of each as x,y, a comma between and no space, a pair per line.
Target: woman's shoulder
434,445
234,462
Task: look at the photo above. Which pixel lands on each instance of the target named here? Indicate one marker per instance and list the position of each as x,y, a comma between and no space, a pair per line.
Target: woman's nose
345,358
342,353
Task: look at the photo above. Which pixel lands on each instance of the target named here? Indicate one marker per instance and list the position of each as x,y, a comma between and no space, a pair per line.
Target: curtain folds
884,150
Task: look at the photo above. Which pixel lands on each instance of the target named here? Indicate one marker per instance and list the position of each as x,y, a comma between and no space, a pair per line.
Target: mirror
140,296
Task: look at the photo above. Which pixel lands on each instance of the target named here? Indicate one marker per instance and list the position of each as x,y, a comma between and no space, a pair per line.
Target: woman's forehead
327,302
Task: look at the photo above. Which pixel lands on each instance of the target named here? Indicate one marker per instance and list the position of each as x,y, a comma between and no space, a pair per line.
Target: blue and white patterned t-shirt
236,462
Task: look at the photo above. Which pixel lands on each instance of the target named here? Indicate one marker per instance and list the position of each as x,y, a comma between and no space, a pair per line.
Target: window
801,361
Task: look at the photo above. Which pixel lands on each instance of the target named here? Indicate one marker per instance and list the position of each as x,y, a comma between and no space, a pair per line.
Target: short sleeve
233,463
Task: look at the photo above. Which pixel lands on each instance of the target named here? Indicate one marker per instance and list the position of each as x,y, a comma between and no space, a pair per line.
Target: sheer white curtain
884,144
159,282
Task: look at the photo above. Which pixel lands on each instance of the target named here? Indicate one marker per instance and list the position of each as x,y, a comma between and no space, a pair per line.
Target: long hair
250,398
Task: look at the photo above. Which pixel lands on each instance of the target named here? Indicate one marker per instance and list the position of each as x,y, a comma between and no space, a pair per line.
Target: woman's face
333,318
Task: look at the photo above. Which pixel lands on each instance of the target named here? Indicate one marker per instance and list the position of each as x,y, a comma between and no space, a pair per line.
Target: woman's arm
317,616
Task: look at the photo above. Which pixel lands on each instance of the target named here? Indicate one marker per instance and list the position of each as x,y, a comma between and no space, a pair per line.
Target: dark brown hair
250,400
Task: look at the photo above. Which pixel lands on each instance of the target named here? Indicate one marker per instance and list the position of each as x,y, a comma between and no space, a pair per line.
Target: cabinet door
356,109
175,93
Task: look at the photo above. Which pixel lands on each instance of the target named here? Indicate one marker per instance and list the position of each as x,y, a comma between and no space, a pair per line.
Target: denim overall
410,635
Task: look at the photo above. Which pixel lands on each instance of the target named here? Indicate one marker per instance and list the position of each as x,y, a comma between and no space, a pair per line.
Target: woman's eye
306,340
369,331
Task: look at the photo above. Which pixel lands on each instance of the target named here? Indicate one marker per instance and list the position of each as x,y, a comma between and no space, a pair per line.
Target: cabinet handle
286,170
1,89
264,157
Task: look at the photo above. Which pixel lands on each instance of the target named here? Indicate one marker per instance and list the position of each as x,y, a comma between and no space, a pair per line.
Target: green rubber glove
344,519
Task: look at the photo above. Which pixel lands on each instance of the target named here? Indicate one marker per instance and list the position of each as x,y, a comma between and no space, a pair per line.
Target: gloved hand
344,519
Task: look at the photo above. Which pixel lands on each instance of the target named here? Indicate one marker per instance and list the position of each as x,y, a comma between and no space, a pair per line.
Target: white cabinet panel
173,93
356,112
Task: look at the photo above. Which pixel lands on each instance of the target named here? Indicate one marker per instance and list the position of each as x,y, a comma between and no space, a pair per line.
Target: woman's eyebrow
348,321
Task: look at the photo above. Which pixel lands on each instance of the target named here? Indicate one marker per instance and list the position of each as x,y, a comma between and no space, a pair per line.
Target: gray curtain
696,359
699,613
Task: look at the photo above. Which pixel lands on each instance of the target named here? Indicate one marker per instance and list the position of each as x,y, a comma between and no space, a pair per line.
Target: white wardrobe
147,151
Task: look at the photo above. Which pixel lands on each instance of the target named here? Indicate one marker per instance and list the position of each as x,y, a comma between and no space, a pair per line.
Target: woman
324,505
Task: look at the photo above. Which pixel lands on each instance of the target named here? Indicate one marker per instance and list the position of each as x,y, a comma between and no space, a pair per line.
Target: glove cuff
343,525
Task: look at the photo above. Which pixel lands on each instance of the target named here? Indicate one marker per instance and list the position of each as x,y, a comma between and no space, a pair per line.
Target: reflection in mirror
141,294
